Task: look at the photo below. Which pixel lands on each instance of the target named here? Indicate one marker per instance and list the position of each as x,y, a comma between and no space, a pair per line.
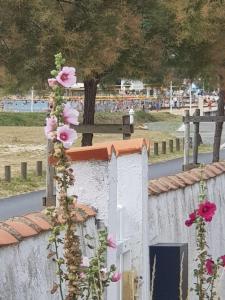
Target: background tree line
151,40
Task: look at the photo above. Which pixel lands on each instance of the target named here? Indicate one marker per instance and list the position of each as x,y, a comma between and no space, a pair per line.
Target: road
30,202
174,166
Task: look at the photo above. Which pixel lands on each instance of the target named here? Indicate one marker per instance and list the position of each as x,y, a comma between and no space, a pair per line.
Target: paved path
22,204
174,166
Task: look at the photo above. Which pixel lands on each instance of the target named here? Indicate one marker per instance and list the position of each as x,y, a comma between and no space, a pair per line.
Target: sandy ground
28,144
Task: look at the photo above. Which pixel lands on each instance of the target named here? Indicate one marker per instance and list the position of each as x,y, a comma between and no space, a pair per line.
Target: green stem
60,275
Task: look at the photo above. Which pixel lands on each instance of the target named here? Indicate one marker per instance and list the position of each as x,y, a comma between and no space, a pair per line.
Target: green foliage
22,119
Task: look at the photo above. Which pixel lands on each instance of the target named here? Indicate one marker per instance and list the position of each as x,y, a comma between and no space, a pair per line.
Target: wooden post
171,145
126,123
50,197
39,168
163,147
156,148
23,170
8,173
196,138
177,144
186,140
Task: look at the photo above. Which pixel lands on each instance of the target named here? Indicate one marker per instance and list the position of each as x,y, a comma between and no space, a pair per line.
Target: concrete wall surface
167,213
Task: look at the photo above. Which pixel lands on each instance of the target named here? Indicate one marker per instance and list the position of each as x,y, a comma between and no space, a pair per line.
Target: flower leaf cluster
207,270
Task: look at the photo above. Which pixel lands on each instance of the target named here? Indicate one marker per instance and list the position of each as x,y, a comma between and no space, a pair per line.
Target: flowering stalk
96,277
58,130
207,270
84,281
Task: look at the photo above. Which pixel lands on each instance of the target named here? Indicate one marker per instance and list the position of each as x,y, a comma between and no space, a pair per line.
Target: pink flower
209,265
222,260
207,210
70,115
116,277
191,220
66,77
66,135
85,262
188,223
52,82
111,242
82,275
51,125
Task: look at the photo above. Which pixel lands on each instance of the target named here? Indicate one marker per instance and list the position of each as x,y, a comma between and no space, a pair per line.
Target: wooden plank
186,140
196,137
128,289
103,128
199,119
50,197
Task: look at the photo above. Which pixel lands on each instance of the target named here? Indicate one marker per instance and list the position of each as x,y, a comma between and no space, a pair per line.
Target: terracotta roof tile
181,180
184,178
103,151
15,229
22,228
214,169
220,166
158,185
178,181
6,238
169,183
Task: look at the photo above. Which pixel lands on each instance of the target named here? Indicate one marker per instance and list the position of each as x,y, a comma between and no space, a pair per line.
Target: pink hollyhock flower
116,277
85,262
66,135
207,210
51,125
222,260
111,242
66,77
188,223
209,264
52,82
70,115
82,275
191,220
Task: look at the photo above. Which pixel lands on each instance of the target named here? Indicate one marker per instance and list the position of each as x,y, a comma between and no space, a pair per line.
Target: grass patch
30,119
144,117
19,186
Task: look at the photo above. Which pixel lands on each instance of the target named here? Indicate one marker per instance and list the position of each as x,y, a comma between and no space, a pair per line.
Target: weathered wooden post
50,199
39,168
127,127
164,147
196,138
24,170
186,139
156,148
177,144
164,283
171,145
8,173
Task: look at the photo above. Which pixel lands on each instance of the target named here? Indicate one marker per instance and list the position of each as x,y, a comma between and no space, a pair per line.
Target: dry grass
19,144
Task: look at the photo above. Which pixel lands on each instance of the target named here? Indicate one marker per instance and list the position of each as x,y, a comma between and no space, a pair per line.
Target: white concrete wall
26,273
168,212
133,198
121,181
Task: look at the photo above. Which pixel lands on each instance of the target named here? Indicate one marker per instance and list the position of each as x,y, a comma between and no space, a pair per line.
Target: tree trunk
90,90
219,127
